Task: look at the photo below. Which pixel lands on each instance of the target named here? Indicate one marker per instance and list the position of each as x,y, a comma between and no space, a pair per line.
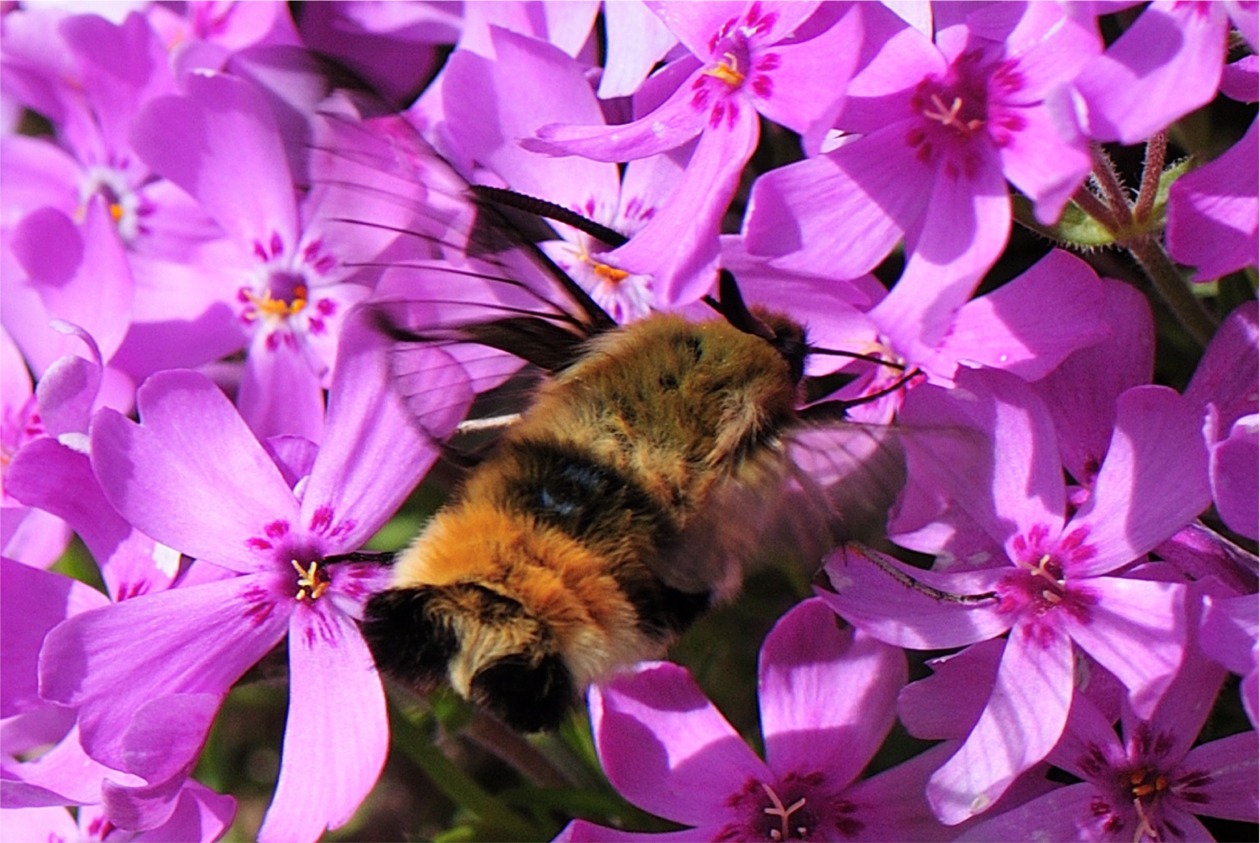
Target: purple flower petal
989,445
666,748
279,393
1020,725
1231,764
947,252
1129,611
1080,394
945,705
81,272
581,831
669,126
680,244
1027,327
805,657
637,40
1164,66
191,475
1228,371
841,212
337,732
113,660
872,600
892,806
221,143
64,775
1234,486
39,476
1062,814
32,602
1152,483
1212,212
489,105
373,454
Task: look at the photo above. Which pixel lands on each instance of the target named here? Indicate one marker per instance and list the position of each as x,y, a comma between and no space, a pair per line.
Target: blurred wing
462,288
842,480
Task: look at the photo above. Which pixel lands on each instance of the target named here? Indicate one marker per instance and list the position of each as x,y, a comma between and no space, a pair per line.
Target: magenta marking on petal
277,529
272,342
260,605
310,252
256,543
700,99
762,85
326,307
768,62
715,116
259,251
315,326
277,244
732,113
321,518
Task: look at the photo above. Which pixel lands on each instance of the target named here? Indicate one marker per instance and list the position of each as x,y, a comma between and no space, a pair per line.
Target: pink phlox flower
228,505
1217,203
148,793
200,814
1167,64
1150,781
532,83
1230,638
25,534
668,750
394,46
1060,580
1226,385
290,291
1212,212
787,61
936,127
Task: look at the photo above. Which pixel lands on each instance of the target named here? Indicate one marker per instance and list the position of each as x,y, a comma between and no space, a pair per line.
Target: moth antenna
552,211
837,407
730,303
935,593
869,358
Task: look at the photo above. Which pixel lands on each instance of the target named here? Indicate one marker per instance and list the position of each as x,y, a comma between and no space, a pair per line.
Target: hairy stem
1152,169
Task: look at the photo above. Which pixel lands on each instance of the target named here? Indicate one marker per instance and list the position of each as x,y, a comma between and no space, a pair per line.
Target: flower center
727,70
312,581
783,813
285,295
121,202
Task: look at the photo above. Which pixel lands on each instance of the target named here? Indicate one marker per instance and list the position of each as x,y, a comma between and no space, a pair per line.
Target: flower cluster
202,201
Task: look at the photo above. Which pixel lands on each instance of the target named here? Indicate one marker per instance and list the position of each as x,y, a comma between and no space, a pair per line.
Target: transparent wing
461,287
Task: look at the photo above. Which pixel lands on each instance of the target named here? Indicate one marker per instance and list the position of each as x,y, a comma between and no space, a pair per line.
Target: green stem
1185,306
493,736
453,782
1096,208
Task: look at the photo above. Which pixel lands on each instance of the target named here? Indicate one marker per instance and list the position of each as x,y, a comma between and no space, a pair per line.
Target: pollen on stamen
611,274
727,70
310,584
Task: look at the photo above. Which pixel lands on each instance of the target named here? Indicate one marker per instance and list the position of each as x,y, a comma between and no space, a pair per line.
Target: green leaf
1074,230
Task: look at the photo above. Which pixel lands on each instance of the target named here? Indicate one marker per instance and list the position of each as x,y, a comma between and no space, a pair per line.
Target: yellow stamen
308,578
279,308
611,274
727,70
